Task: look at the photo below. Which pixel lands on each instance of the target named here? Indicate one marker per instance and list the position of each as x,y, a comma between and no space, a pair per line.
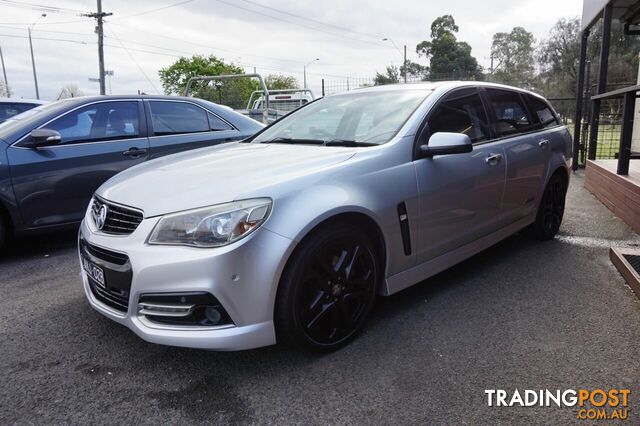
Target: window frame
533,124
529,97
152,134
424,132
142,125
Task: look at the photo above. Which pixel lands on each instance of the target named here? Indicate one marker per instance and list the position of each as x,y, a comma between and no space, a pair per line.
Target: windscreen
363,117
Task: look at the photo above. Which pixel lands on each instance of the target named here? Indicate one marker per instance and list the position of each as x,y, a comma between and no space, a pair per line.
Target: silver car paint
454,203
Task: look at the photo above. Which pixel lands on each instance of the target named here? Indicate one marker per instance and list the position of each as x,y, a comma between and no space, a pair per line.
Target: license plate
95,272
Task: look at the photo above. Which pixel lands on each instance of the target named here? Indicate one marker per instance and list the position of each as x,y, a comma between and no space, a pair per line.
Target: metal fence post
323,87
587,116
602,79
579,100
627,131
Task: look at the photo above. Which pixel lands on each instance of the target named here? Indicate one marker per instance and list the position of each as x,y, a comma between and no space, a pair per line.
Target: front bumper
242,276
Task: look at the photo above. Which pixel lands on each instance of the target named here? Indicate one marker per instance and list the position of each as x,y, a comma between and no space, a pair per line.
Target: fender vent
403,218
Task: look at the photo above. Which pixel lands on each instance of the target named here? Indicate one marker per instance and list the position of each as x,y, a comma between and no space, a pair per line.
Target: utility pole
33,62
405,64
4,73
100,31
304,71
33,65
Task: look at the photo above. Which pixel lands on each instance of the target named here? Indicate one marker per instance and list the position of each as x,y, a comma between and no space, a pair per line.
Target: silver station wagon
288,236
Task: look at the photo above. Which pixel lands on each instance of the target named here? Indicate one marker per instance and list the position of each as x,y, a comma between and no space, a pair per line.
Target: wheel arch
363,220
560,170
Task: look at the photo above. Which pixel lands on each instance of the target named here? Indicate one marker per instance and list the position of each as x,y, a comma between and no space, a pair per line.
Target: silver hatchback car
289,235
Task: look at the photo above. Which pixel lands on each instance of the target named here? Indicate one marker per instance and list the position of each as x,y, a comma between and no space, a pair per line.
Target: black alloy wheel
551,210
329,290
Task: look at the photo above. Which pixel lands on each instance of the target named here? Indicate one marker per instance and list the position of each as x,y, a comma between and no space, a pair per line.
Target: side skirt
404,279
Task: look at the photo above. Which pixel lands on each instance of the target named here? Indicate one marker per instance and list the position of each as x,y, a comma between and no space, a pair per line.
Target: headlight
213,226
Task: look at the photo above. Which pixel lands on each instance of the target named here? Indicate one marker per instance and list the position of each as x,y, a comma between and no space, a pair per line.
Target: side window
510,112
216,123
542,111
101,121
169,118
461,112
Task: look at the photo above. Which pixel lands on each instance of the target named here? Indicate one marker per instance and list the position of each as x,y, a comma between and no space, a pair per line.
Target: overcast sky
345,34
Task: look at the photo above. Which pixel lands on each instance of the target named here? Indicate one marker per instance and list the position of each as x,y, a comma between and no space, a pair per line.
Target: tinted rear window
170,118
510,112
542,111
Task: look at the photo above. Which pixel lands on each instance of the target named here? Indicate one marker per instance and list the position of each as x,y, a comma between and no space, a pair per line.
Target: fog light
183,309
212,314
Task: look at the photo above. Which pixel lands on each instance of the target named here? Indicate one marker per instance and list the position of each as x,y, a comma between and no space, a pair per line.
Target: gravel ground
522,315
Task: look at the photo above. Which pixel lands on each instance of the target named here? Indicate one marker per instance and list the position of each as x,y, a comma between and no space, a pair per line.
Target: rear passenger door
177,126
526,149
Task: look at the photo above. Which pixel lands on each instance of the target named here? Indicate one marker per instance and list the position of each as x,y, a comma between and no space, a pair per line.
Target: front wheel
327,290
550,211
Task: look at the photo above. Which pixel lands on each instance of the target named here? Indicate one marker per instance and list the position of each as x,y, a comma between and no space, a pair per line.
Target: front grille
119,220
117,299
117,275
107,255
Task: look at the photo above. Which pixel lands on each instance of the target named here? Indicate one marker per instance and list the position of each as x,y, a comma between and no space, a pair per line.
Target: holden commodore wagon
288,236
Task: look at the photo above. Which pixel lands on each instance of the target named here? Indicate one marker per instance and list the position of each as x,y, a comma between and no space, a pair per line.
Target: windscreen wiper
296,141
350,143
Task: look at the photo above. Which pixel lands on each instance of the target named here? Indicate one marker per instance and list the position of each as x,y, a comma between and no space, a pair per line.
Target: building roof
627,11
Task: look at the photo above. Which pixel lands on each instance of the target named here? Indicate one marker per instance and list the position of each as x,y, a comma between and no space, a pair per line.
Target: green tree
558,54
391,76
448,57
557,58
277,82
234,93
415,71
513,59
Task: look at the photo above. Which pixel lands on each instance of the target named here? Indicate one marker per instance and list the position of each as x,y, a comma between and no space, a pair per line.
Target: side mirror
42,137
443,143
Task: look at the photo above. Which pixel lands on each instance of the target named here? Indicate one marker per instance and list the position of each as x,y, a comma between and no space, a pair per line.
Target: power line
48,39
234,52
306,18
300,24
134,61
44,23
129,49
40,7
156,9
46,31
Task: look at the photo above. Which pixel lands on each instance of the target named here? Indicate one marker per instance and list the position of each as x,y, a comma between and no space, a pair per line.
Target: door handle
493,159
543,143
134,152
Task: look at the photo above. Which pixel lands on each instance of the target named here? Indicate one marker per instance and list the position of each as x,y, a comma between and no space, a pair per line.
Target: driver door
460,195
53,184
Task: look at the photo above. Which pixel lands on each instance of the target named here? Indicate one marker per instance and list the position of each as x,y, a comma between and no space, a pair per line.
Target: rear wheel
550,211
327,290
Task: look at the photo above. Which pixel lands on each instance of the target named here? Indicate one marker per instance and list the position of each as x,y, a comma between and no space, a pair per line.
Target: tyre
550,211
3,233
327,290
